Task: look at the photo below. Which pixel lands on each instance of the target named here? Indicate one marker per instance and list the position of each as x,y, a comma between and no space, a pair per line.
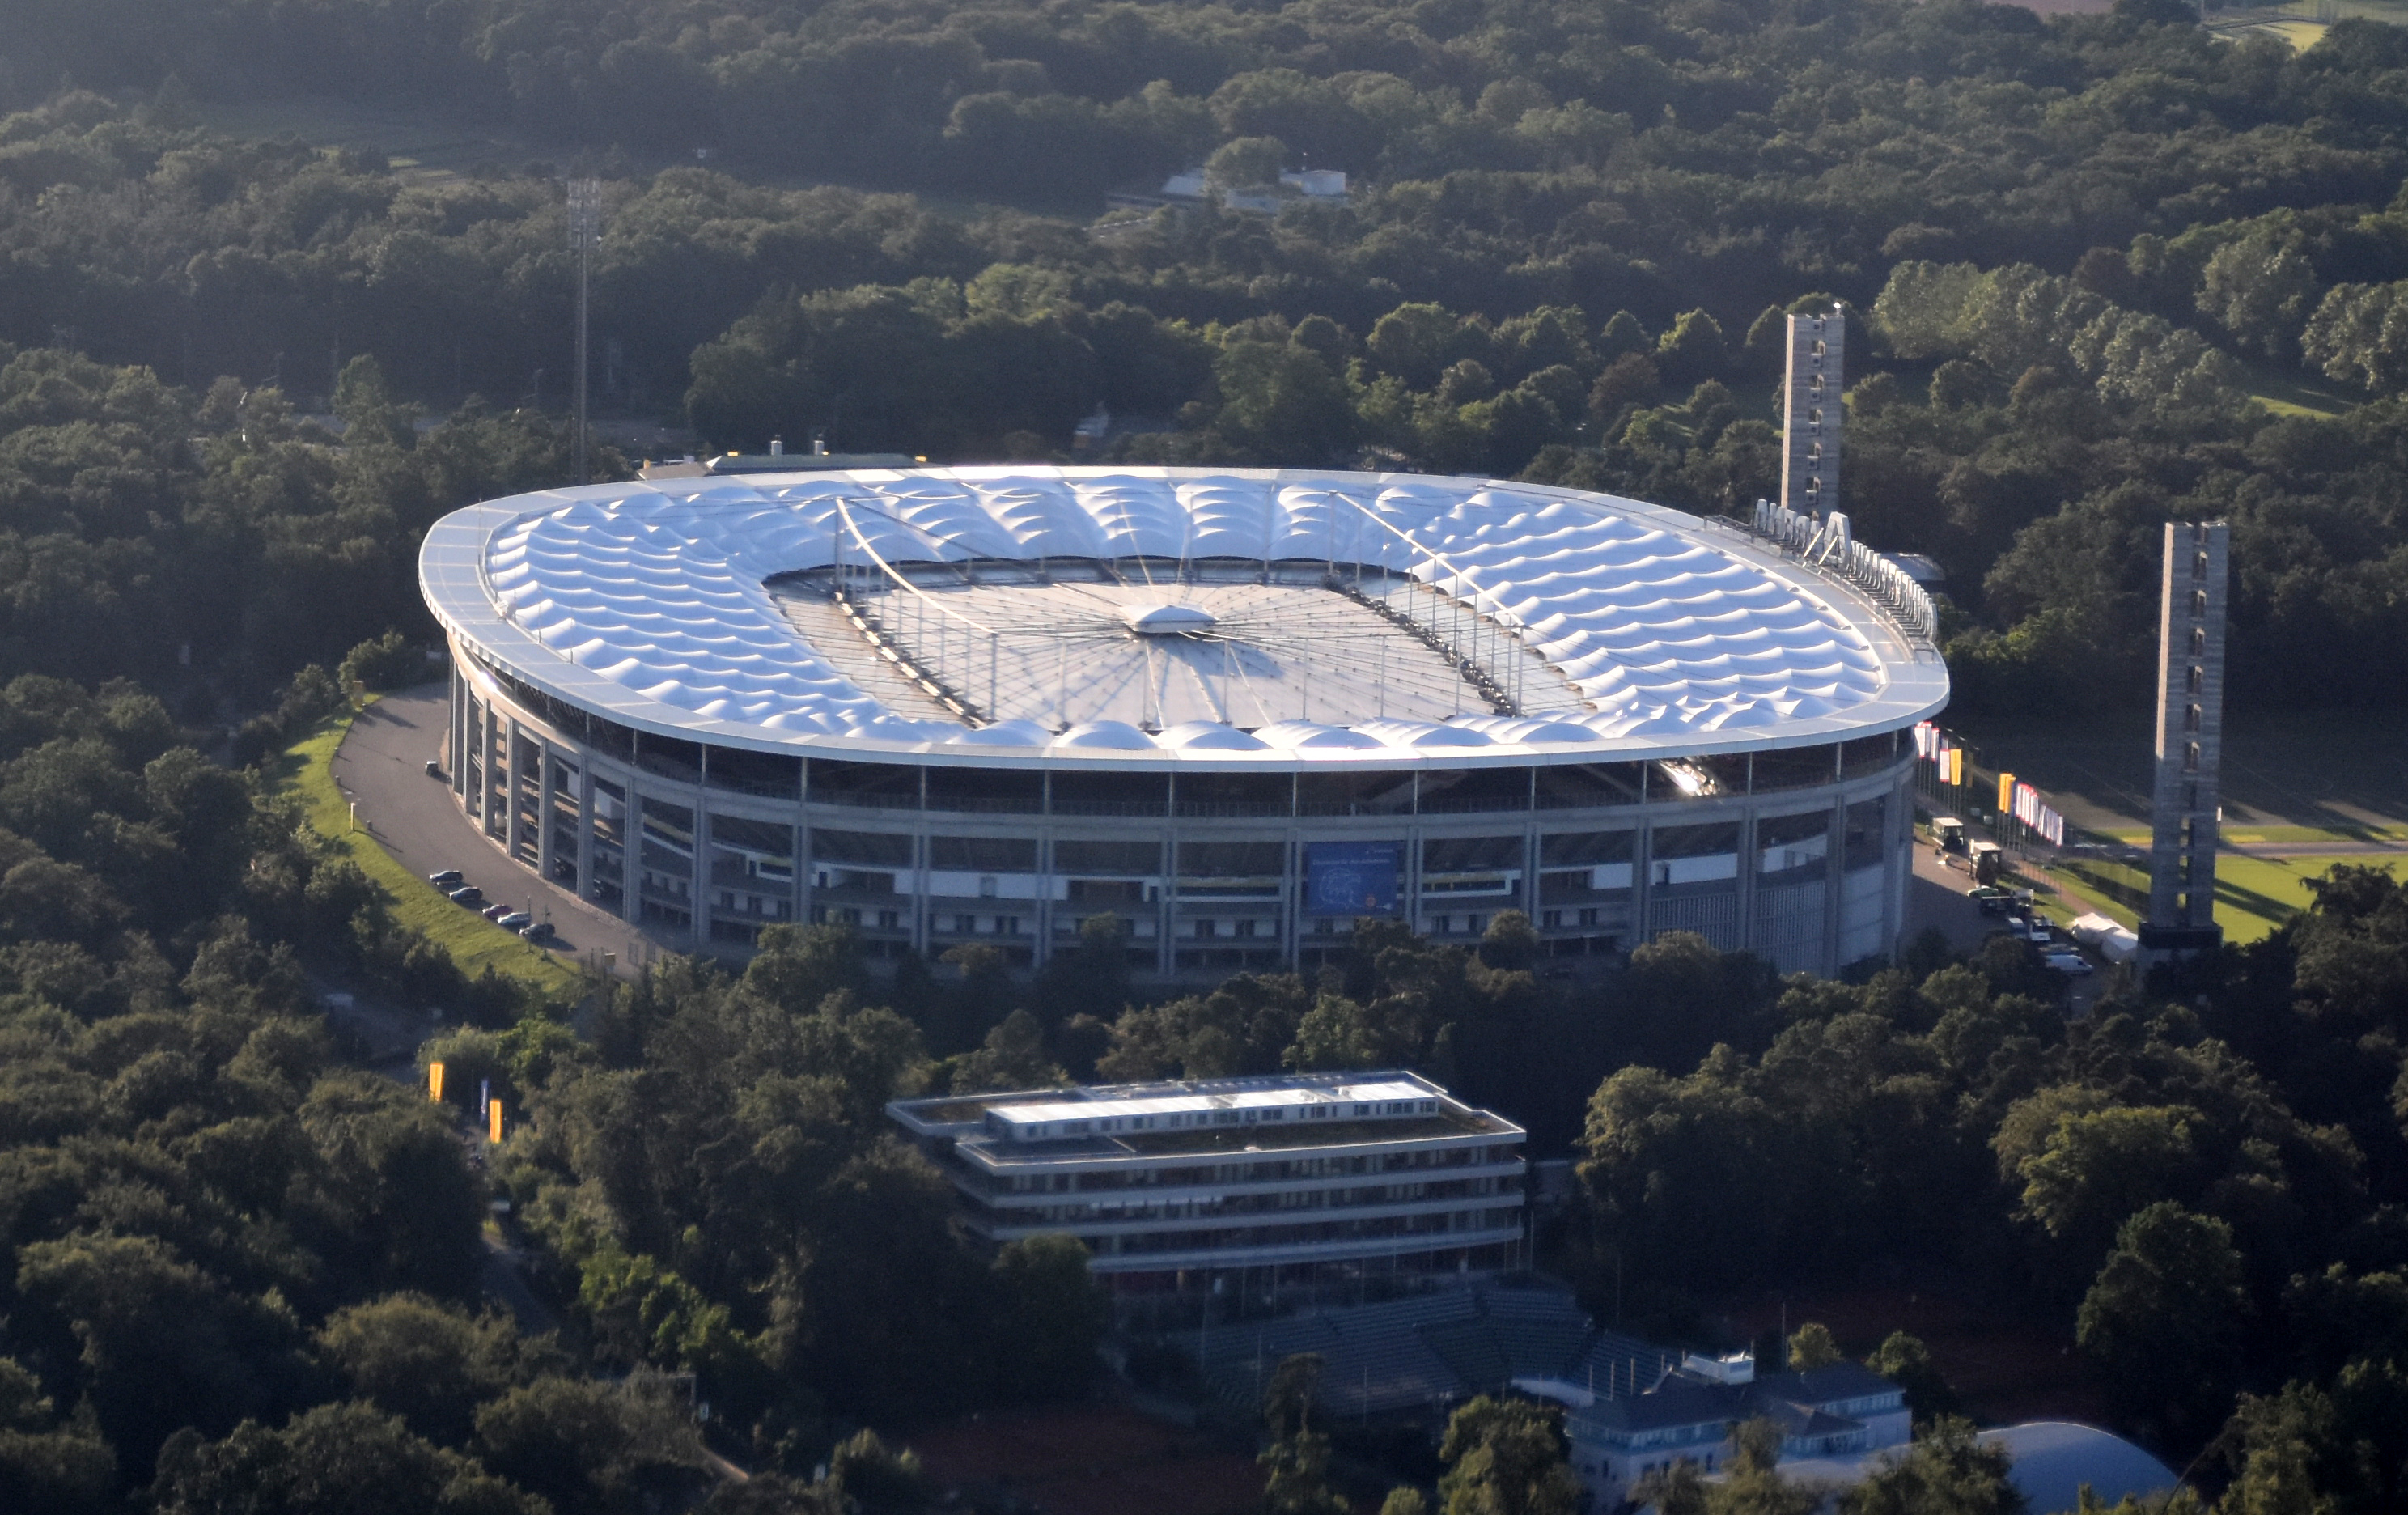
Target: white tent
2116,942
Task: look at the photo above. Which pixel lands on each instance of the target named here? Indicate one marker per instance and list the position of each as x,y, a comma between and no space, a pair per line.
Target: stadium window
2199,604
2198,641
2191,758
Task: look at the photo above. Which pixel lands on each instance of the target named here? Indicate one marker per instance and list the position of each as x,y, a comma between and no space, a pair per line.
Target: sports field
2253,895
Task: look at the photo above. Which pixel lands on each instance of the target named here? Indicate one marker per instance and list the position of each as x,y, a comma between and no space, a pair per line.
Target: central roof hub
1166,620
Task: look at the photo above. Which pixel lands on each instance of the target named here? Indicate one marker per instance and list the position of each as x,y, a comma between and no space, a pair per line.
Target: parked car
540,932
434,769
471,895
1990,898
496,910
517,920
2072,964
450,878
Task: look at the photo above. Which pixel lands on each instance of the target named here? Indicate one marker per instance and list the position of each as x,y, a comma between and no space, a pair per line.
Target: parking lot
382,765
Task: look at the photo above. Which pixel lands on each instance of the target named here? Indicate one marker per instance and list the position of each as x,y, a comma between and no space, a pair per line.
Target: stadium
1239,710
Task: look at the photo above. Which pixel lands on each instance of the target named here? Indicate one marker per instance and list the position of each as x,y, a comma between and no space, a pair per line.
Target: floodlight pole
584,225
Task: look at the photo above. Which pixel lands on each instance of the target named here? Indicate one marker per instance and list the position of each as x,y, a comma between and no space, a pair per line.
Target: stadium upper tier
1113,614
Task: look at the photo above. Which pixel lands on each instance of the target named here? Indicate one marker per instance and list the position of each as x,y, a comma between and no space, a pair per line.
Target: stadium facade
1239,710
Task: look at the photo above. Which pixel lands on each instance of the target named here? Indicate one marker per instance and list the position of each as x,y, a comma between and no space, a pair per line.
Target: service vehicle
2072,964
1989,861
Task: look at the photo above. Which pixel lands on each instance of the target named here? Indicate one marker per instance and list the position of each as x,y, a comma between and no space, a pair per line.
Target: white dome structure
1263,660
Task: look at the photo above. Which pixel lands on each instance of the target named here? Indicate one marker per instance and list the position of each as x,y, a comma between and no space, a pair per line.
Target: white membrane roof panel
1659,633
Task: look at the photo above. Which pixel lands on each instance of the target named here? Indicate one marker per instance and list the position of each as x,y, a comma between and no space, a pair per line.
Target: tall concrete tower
1810,413
2190,741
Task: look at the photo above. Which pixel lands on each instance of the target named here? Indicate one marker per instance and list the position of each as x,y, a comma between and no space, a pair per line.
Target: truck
1989,861
1947,833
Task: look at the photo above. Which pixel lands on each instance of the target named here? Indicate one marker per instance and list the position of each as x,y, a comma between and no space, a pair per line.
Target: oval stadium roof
1634,630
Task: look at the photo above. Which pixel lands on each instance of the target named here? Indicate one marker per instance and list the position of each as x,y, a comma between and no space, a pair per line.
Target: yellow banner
2006,794
495,1116
434,1081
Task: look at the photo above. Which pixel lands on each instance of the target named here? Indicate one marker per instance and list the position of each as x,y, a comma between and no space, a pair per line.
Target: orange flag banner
434,1081
495,1116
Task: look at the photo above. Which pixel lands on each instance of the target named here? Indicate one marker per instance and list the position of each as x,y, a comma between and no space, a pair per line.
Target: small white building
1314,186
1619,1438
1273,1185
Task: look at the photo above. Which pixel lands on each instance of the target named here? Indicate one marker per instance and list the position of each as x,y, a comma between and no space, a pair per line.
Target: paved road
382,765
1935,897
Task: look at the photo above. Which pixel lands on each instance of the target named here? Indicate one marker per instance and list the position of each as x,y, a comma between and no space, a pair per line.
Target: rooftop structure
1239,1188
1239,709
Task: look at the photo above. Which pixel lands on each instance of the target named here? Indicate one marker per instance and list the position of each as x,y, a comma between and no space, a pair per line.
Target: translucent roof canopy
937,610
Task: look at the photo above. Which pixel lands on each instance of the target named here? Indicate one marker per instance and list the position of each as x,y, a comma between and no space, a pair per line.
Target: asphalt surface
383,766
1935,897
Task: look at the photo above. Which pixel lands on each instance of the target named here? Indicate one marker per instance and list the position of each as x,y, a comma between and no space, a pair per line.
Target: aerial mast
584,229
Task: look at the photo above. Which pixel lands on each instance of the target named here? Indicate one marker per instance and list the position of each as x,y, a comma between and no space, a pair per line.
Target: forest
2102,272
2102,269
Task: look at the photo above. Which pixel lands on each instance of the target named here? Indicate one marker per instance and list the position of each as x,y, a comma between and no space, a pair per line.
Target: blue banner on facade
1350,878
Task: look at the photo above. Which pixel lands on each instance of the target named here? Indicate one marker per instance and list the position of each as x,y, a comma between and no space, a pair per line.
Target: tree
1506,1457
1675,1488
2163,1320
1012,1057
2096,1168
1050,1314
1810,1347
1904,1361
429,1363
1754,1485
1297,1461
1692,351
333,1460
1246,163
45,1465
1946,1472
587,1445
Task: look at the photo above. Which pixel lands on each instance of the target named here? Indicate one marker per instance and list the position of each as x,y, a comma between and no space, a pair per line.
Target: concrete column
455,732
1748,859
2190,737
512,826
496,733
543,822
1292,892
701,923
585,826
631,854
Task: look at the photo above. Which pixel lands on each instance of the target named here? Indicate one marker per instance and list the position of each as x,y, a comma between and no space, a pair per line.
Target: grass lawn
2253,895
475,943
